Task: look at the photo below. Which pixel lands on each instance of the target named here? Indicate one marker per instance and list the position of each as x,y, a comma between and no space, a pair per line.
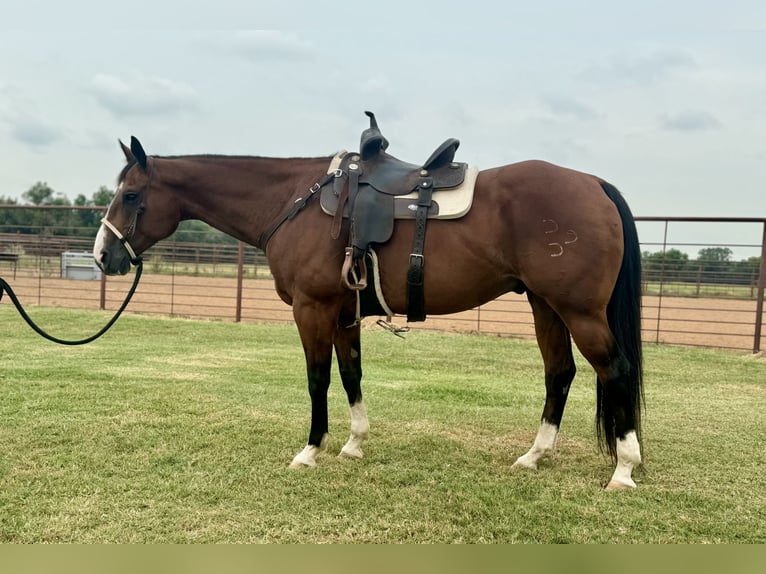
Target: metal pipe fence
703,280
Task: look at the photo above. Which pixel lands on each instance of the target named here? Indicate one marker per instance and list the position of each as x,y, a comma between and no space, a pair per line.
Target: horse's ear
126,150
138,151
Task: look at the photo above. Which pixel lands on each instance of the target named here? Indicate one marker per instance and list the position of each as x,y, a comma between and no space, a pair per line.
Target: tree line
712,265
80,222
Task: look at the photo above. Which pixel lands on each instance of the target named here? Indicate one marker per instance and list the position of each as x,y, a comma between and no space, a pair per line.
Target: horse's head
142,212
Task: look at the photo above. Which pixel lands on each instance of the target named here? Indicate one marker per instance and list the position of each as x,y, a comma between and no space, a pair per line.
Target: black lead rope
5,287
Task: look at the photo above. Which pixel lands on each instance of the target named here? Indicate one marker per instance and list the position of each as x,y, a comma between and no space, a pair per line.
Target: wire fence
698,292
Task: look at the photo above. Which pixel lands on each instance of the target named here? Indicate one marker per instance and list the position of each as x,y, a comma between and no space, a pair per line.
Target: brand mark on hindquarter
551,227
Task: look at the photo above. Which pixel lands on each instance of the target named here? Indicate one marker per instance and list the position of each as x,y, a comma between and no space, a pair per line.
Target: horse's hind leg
556,348
349,355
617,414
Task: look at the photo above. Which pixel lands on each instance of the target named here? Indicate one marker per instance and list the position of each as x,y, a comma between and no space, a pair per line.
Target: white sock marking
628,457
360,430
543,446
307,457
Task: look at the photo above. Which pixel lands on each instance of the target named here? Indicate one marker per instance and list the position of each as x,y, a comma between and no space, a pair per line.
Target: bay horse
565,238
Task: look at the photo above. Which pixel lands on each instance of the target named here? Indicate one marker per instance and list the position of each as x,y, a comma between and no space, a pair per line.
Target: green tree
670,265
715,254
715,264
9,218
745,272
42,194
91,219
40,220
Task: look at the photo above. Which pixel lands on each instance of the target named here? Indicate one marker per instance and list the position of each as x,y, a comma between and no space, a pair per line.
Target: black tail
624,316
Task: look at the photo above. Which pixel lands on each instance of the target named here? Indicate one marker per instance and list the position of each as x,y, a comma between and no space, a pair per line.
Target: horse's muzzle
112,265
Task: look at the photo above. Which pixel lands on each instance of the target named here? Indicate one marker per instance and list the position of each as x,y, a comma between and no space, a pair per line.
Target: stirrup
348,269
391,328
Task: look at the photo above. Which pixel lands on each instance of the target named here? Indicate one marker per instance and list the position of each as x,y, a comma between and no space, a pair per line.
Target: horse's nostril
104,257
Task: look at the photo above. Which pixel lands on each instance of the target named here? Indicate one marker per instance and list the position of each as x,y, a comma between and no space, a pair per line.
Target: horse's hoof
614,485
524,464
307,458
300,464
355,453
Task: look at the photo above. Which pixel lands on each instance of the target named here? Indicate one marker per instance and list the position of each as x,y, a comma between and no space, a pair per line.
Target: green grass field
181,431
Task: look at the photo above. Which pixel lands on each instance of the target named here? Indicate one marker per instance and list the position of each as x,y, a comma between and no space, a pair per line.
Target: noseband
134,259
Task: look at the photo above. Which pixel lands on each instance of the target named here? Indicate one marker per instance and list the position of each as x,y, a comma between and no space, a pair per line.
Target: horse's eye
130,197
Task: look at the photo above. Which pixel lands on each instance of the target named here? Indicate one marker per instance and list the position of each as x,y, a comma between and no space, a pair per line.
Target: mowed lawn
169,430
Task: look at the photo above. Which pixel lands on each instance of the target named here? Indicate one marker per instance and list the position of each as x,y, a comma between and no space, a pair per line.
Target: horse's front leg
316,325
349,354
556,347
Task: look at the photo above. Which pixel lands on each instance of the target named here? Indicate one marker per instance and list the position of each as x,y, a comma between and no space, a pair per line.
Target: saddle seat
373,143
393,176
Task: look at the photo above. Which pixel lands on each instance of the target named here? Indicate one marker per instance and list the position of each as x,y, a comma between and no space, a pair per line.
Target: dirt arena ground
724,323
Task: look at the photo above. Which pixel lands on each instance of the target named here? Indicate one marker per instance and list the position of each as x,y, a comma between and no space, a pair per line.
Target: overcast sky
665,99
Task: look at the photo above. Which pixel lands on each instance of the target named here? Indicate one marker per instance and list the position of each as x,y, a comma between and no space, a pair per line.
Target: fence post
240,273
759,300
662,282
173,279
699,279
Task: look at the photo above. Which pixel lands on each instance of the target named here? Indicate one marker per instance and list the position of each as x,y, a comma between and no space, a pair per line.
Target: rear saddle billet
366,189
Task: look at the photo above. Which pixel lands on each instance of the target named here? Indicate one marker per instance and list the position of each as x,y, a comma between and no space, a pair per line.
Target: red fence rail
688,299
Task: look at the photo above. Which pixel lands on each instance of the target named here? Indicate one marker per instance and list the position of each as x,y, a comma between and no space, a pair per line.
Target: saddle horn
373,121
372,141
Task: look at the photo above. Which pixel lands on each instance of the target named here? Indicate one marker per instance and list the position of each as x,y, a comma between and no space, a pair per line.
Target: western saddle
364,191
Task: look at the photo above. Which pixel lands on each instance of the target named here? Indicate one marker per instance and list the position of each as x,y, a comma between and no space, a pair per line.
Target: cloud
265,45
33,131
648,67
25,123
569,107
142,96
689,121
